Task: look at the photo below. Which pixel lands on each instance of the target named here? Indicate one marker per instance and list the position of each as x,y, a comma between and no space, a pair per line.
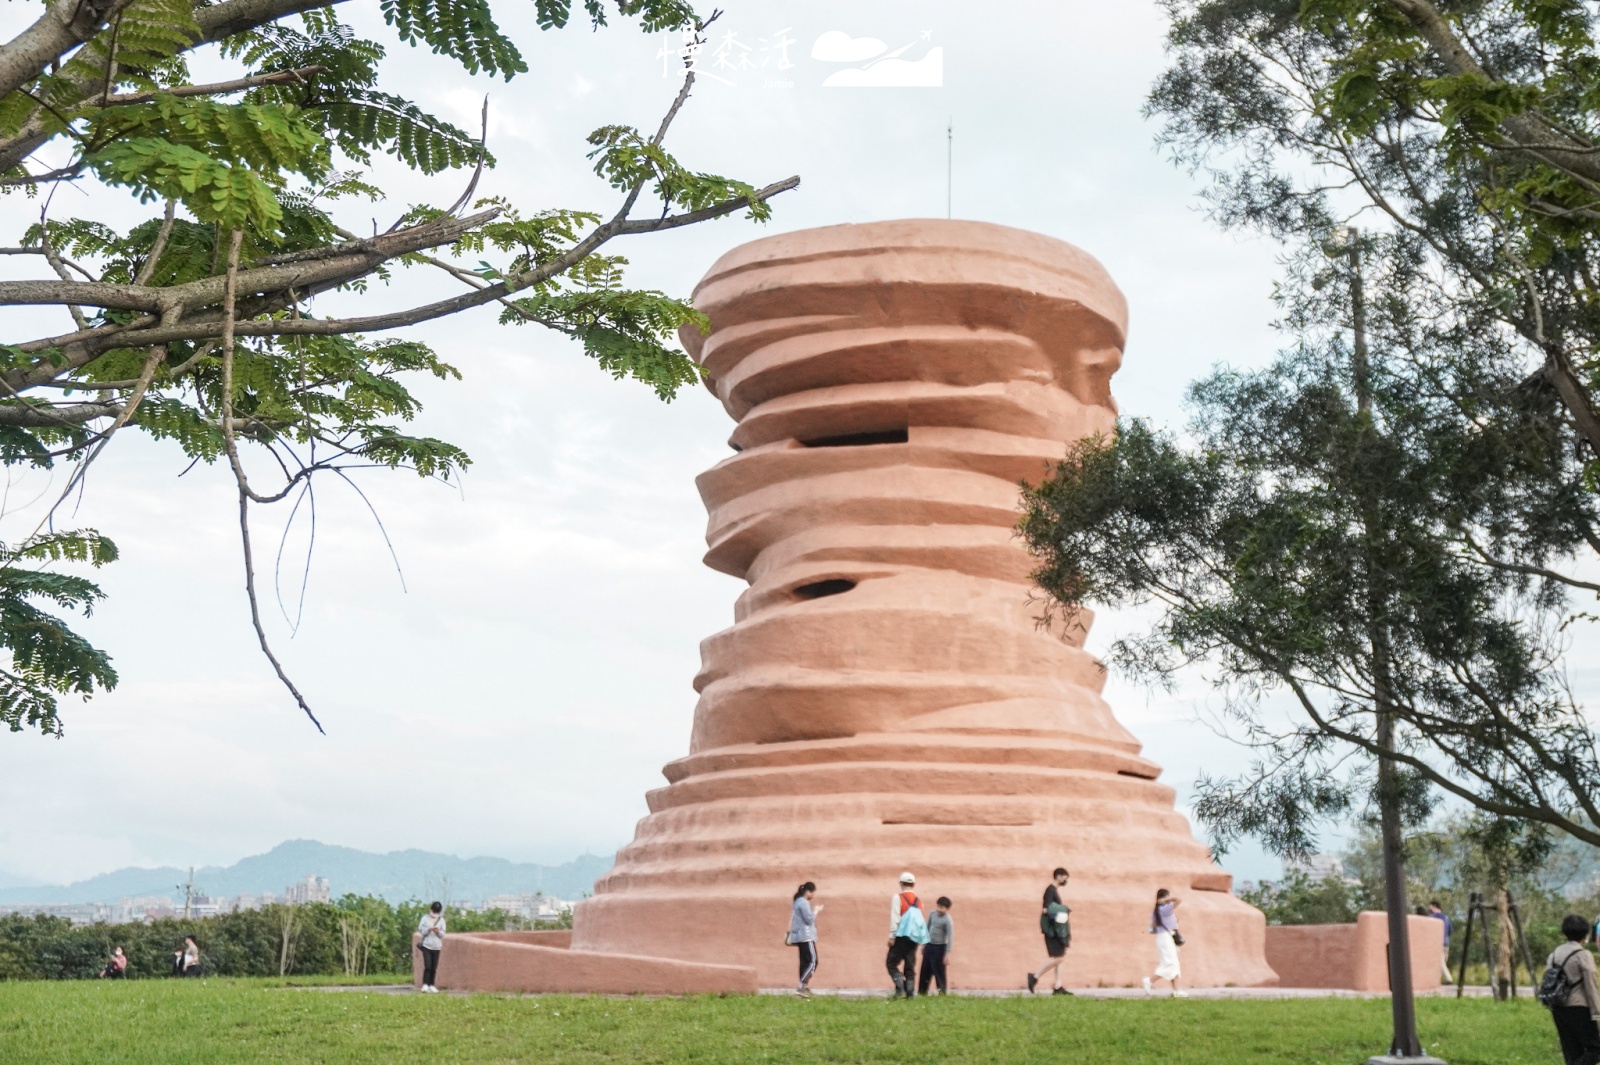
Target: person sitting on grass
116,965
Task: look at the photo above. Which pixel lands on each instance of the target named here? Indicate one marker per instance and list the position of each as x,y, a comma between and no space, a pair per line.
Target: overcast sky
523,691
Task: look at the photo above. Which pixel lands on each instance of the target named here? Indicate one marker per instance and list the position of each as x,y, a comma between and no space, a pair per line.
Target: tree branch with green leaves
203,326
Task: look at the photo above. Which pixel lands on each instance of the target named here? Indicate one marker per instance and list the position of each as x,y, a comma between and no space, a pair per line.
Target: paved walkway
1254,993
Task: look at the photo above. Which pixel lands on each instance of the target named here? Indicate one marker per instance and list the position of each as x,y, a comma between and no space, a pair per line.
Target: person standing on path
431,927
1164,923
191,957
803,934
936,955
1435,910
1057,932
907,930
1577,1019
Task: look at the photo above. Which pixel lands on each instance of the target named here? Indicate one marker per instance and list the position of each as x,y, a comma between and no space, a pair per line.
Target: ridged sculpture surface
885,699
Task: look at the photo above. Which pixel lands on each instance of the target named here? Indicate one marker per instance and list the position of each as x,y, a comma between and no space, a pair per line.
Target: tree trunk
1505,956
1404,1007
1405,1042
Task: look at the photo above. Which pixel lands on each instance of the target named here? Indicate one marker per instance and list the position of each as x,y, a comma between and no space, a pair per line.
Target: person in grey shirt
803,934
936,952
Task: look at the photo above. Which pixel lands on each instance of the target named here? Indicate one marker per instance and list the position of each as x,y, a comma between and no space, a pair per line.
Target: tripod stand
1519,947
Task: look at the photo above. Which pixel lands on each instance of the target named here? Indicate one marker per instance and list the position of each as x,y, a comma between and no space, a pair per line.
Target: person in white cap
907,929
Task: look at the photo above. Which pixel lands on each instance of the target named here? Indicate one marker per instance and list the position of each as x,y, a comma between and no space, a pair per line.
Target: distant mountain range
396,876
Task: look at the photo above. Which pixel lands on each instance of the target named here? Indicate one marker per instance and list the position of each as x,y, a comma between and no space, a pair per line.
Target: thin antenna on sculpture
949,162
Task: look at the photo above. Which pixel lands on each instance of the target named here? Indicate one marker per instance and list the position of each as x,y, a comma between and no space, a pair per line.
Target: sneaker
805,992
1180,994
1061,991
1032,982
1147,988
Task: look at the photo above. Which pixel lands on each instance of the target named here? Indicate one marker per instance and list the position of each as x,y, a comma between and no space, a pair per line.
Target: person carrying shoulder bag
1569,990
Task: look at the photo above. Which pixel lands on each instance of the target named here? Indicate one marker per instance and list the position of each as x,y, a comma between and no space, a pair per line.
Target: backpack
1557,984
913,925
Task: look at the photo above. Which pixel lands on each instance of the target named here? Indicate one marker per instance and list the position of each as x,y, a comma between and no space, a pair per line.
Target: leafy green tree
1300,898
1327,552
1468,124
201,324
1323,538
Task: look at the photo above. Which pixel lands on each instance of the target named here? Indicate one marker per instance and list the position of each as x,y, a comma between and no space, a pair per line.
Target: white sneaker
1180,994
1147,988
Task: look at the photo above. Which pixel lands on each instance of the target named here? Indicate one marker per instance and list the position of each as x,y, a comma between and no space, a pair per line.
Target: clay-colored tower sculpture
885,699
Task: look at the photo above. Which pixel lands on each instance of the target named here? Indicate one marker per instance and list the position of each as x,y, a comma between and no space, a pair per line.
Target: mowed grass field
172,1022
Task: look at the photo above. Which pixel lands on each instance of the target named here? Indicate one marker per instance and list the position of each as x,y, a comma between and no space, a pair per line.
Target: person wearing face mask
1057,932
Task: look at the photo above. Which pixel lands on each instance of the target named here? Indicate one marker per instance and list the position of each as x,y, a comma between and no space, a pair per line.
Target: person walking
803,934
1053,918
431,928
1577,1013
936,955
191,957
1164,923
908,929
1436,911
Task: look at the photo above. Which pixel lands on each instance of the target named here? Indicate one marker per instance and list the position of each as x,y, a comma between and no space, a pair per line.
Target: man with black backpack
1569,990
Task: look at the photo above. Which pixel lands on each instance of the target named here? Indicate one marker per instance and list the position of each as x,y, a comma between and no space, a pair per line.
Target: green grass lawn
172,1022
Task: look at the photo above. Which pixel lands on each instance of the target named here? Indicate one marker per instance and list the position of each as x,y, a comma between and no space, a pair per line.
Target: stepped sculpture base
885,699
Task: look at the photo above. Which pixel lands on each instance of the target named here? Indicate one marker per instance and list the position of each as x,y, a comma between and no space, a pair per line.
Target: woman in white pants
1164,924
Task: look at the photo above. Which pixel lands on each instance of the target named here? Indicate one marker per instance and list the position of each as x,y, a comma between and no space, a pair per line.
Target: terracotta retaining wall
540,962
1353,956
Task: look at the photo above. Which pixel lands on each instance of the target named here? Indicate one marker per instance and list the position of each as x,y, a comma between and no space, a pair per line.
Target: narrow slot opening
818,589
882,436
1130,773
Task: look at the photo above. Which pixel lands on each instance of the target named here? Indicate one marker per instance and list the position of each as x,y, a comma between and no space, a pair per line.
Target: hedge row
352,936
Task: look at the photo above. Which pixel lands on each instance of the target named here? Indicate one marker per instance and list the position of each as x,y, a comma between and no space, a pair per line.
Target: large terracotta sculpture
885,700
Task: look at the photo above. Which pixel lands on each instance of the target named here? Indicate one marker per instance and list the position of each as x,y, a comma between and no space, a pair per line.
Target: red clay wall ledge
509,961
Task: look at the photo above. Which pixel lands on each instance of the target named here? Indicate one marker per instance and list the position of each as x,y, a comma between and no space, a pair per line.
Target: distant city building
128,910
311,888
1318,866
528,906
76,912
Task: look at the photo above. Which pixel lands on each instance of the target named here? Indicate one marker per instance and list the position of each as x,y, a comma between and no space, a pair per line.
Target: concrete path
1253,993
